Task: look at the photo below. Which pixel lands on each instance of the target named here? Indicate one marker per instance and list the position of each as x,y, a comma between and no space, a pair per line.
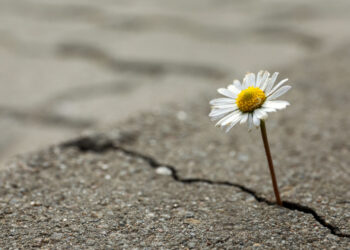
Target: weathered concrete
115,197
169,179
68,66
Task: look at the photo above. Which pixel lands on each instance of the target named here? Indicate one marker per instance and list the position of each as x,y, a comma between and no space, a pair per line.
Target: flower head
250,101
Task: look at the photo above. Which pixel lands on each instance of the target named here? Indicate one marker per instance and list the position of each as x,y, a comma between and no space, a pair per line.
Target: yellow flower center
250,99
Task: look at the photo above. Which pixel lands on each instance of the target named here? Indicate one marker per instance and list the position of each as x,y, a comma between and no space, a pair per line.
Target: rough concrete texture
68,66
168,179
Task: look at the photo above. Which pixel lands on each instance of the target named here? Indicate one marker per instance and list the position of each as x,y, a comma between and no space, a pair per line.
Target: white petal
256,120
222,119
250,121
260,114
277,86
236,117
275,104
264,81
271,82
224,106
253,79
279,92
245,82
234,89
227,93
237,84
250,79
264,84
227,119
258,78
219,101
218,117
268,109
230,118
231,126
244,118
217,112
233,123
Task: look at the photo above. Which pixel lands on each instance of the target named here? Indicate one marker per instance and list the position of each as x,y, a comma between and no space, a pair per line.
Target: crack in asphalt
101,145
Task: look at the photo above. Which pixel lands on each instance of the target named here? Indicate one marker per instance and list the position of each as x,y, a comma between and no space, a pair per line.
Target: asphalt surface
72,66
170,179
152,171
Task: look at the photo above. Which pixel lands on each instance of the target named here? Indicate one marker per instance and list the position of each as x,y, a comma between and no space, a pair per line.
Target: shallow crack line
118,64
90,144
45,118
92,91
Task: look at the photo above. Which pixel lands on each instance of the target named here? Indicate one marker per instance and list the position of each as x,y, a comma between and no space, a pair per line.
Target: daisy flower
249,101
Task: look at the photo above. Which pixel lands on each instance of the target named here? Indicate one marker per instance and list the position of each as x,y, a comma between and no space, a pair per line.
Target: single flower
249,101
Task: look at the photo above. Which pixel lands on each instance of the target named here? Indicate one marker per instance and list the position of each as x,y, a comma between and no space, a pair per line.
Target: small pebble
191,244
163,171
35,203
189,215
181,115
90,242
243,157
57,236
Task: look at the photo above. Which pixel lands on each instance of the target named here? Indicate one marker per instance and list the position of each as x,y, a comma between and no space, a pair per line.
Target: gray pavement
151,171
170,180
69,66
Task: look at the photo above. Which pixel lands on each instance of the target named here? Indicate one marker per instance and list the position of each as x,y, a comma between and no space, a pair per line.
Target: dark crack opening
100,144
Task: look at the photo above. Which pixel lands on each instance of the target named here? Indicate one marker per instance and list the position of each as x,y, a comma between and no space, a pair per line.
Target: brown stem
269,160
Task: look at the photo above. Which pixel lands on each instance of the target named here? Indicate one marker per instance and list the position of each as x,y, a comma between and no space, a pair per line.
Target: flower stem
269,160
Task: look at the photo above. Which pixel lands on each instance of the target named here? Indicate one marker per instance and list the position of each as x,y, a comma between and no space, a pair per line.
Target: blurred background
69,66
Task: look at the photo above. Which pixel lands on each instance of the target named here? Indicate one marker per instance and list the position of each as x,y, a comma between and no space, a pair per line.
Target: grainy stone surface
63,198
69,66
308,140
168,179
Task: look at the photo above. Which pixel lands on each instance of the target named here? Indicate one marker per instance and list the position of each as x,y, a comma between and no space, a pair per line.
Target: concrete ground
152,171
70,66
